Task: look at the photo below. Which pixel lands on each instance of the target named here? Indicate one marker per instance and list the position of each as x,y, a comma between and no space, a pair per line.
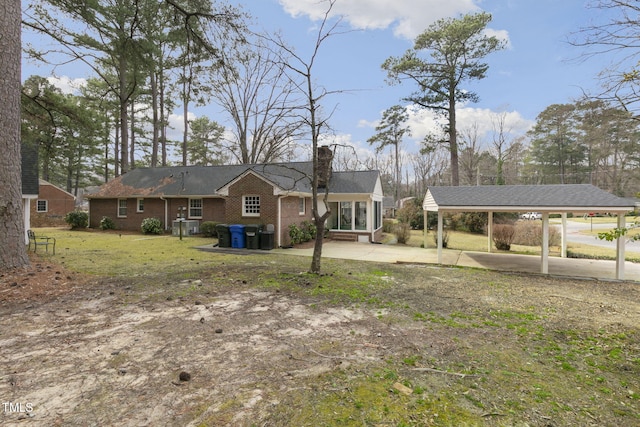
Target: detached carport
546,199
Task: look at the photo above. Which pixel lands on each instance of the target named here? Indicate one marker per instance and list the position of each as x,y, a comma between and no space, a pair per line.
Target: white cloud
485,119
423,121
408,18
66,84
500,35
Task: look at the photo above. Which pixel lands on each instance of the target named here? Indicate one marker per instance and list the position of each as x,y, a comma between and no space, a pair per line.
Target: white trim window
195,208
251,206
122,208
140,205
42,205
302,205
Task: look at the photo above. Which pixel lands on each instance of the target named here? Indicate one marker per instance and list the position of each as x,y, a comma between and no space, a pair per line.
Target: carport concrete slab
570,267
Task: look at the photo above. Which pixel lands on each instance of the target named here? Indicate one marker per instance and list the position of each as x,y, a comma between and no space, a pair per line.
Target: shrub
473,222
529,233
107,223
151,226
208,229
302,233
77,219
503,235
445,238
387,225
402,232
411,213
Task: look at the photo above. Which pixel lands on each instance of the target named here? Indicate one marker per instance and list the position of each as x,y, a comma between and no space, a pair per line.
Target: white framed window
140,205
42,205
302,205
377,206
360,215
122,208
250,205
195,208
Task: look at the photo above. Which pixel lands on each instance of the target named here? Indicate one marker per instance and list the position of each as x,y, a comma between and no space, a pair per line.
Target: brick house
278,194
51,206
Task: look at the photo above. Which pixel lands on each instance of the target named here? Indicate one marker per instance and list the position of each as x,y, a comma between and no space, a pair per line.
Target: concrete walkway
569,267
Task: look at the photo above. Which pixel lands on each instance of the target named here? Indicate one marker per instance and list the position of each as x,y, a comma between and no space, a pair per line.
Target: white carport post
440,227
620,249
426,228
489,230
545,243
563,248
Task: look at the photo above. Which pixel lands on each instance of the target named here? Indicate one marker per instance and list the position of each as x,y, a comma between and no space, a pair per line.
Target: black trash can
252,233
266,240
224,235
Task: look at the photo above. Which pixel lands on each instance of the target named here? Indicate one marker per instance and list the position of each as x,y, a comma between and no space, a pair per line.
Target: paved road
574,235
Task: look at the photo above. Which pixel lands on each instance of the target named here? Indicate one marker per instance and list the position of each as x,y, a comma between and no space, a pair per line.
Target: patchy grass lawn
259,342
478,242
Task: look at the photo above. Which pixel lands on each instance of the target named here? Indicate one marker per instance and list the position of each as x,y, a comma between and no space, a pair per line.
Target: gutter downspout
166,212
279,220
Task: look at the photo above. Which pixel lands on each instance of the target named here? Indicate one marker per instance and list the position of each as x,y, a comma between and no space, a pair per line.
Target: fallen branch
332,357
438,371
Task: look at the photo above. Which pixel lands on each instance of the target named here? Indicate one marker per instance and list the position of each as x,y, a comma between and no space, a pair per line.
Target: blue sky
539,67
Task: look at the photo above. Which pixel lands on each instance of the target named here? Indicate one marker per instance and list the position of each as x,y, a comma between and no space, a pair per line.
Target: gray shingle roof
207,180
550,198
29,154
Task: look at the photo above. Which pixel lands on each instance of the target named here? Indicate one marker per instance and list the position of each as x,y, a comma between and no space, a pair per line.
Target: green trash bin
224,235
252,234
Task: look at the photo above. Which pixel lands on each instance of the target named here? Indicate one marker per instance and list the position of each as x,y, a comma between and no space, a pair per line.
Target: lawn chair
41,241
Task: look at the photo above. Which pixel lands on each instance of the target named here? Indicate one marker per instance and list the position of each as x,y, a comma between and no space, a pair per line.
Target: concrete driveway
566,267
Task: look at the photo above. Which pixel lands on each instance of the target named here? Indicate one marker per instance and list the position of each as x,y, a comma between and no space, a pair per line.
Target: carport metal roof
562,199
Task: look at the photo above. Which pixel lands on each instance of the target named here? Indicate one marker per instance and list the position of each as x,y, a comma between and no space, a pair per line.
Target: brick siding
59,203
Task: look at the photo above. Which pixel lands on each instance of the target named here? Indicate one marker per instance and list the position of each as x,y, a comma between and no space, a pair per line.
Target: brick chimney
325,159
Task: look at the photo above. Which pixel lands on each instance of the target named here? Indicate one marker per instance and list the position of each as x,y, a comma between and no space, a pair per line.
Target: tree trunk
185,123
13,253
132,142
107,140
316,259
163,125
453,141
398,177
116,150
156,124
124,127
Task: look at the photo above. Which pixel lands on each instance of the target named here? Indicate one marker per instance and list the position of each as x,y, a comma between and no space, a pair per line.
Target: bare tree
316,122
619,40
470,153
500,145
254,89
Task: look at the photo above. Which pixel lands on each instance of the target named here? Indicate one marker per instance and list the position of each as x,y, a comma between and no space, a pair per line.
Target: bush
302,233
387,225
402,232
503,235
411,213
529,233
77,219
445,238
151,226
473,222
208,229
107,223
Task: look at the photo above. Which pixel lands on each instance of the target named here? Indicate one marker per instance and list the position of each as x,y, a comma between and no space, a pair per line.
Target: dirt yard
216,350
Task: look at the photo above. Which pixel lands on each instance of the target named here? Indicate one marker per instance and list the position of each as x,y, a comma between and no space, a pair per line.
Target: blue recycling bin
237,236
